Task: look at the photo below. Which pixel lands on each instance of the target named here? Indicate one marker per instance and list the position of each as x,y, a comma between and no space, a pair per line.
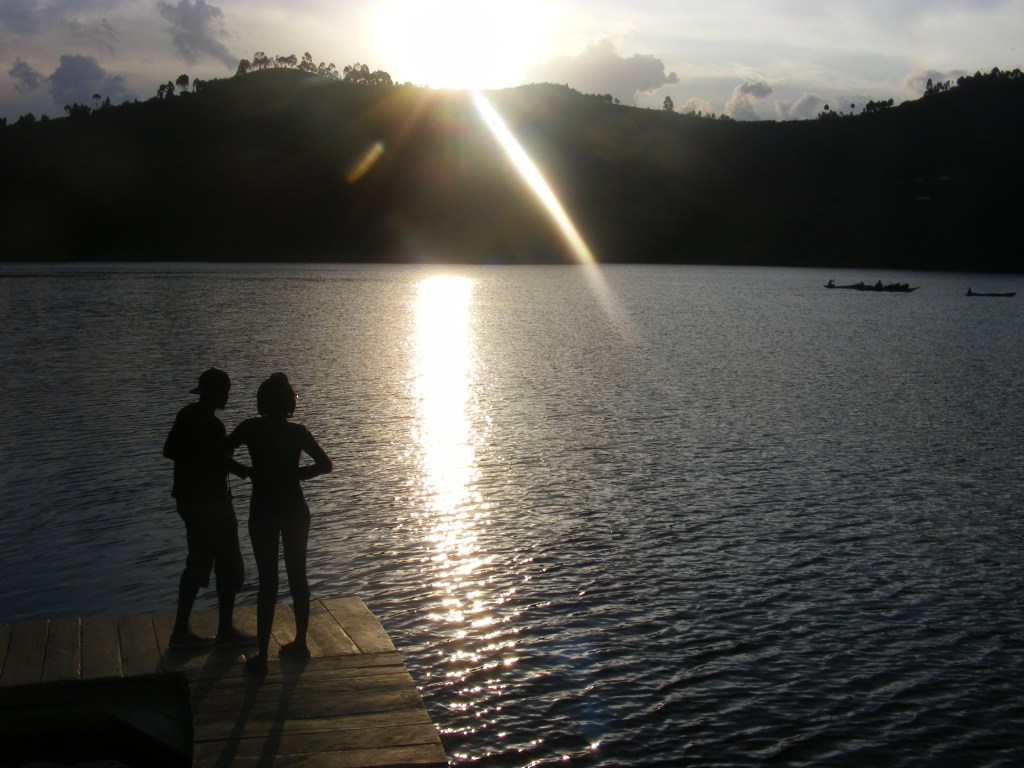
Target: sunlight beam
533,178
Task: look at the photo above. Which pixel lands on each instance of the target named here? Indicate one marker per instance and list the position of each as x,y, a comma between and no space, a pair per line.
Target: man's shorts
212,534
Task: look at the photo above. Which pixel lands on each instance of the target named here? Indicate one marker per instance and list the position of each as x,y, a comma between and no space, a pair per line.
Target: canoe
890,288
1001,295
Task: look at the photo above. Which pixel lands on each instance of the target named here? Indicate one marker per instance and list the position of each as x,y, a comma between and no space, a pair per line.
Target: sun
460,44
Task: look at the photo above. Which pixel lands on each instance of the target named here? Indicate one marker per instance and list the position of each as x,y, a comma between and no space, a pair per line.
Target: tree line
358,74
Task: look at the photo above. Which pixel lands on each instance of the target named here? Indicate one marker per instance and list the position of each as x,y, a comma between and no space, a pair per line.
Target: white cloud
695,105
804,108
601,69
740,106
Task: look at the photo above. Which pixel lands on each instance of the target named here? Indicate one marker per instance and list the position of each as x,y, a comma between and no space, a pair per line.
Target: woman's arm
321,462
238,469
228,446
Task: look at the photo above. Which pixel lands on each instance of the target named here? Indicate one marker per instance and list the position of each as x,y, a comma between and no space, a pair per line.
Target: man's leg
198,565
230,572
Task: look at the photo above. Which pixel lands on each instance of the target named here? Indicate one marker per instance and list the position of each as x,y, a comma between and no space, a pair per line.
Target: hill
261,167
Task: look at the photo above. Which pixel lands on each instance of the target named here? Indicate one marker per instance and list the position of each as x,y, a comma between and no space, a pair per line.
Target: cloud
695,104
601,69
26,78
19,17
100,33
195,29
917,82
804,108
740,105
79,77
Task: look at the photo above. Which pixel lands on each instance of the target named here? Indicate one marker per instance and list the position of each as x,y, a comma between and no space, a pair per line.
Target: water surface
672,515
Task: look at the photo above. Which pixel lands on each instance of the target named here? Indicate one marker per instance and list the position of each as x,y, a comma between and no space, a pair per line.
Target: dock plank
266,714
204,623
101,648
382,736
5,641
140,654
394,757
361,625
329,635
283,630
25,654
63,660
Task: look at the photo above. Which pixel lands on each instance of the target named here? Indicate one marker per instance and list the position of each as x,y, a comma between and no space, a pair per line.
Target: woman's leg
295,538
263,532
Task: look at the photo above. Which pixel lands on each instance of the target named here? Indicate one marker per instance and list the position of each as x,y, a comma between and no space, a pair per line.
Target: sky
748,59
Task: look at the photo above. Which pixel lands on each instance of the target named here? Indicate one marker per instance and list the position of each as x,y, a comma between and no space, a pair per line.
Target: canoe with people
862,286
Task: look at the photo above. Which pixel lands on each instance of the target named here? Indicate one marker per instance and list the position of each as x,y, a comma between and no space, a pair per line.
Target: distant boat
862,286
1001,295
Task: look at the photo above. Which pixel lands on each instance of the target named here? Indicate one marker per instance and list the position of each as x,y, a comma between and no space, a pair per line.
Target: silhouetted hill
258,168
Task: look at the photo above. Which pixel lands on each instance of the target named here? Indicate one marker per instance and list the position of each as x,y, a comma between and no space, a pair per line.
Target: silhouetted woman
278,513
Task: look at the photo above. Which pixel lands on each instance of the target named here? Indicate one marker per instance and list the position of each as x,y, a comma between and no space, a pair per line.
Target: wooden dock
82,685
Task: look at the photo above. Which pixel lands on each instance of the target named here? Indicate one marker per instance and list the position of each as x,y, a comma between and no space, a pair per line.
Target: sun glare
460,44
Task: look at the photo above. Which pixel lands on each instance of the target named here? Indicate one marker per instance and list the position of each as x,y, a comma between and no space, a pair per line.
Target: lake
622,517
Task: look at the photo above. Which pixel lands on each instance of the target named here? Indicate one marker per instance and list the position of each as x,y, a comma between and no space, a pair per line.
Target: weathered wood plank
204,622
244,618
63,659
25,654
5,641
395,757
237,727
356,722
282,712
327,633
364,737
283,630
361,625
175,660
236,674
163,625
139,652
101,648
312,686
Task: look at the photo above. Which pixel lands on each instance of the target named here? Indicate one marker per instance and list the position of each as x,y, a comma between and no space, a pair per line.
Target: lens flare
365,163
535,180
533,177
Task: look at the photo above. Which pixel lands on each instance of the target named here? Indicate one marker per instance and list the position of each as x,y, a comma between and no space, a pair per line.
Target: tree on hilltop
360,74
877,106
261,60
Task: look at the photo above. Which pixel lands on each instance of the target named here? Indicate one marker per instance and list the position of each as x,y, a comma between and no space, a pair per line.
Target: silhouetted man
204,502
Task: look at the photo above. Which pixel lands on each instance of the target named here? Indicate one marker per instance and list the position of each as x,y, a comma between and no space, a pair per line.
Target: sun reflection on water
450,511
